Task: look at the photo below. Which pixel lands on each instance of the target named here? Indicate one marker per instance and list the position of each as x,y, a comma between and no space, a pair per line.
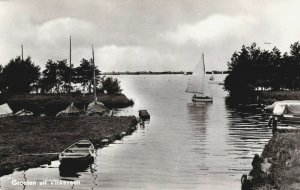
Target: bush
111,85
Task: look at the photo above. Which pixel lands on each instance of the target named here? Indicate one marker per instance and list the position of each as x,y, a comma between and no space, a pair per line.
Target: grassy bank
283,153
51,104
268,97
20,137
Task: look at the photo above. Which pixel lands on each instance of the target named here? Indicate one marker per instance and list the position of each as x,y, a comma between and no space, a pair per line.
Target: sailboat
212,78
96,107
198,85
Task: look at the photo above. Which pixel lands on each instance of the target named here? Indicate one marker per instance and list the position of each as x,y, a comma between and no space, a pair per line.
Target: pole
94,74
203,80
203,62
70,64
22,52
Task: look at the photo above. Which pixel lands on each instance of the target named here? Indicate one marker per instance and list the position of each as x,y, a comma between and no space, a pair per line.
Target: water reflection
197,120
72,171
197,113
142,123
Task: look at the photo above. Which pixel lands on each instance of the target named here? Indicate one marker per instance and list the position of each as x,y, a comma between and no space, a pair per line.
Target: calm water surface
185,146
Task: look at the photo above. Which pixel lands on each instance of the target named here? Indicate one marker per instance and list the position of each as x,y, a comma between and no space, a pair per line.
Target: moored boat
287,111
82,151
144,115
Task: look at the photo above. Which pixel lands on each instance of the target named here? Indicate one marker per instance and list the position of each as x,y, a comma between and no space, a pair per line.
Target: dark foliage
252,70
19,76
111,85
24,77
85,73
56,76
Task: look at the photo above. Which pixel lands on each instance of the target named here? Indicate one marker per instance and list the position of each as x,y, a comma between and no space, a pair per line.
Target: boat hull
204,99
287,119
76,160
81,152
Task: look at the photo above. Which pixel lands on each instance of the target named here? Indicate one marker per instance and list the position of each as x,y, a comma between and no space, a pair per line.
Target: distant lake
185,146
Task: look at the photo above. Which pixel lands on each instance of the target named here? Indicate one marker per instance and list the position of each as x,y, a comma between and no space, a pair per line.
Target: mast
22,52
203,62
94,74
203,78
70,64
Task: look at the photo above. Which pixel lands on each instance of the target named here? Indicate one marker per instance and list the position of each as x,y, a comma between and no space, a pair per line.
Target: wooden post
274,125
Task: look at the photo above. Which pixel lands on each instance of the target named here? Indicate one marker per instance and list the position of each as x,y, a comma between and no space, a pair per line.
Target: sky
140,35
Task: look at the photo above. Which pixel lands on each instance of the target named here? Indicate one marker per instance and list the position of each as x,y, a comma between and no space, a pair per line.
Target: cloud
132,58
54,32
210,30
145,35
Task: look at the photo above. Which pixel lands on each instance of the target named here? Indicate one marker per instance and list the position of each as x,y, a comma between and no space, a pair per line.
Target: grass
22,136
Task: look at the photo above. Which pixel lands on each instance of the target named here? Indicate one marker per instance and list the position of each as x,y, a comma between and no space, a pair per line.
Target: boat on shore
287,111
198,84
82,151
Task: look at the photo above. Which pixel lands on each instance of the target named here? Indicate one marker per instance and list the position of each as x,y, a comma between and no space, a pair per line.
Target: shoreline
51,104
22,137
281,155
278,166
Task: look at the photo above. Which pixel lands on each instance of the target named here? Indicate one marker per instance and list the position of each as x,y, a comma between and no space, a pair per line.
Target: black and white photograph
149,94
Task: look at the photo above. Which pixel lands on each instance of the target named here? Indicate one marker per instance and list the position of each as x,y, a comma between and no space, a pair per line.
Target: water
185,146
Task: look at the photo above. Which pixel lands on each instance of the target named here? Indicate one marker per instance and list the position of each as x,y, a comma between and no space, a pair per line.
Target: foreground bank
278,167
27,142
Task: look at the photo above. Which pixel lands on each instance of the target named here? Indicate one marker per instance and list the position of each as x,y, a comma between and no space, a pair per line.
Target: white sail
194,86
198,83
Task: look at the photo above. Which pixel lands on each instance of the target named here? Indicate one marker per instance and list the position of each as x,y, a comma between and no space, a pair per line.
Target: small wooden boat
82,151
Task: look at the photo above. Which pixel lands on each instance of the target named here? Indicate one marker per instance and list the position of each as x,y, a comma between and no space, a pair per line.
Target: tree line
252,70
24,76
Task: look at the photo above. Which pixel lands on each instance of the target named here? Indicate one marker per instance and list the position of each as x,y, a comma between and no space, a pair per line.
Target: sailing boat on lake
198,84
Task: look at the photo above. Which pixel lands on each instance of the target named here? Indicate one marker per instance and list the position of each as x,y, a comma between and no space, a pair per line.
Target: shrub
111,85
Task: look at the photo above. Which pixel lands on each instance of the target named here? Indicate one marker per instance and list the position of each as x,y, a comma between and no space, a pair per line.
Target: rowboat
82,151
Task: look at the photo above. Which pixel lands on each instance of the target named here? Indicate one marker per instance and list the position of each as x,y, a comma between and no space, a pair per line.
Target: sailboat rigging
198,84
96,107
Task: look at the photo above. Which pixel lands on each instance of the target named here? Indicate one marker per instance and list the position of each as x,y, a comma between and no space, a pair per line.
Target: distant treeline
160,73
23,76
252,70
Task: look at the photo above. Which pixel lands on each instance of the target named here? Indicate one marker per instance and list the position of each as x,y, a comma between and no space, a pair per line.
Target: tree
111,85
295,64
50,79
63,73
56,75
85,74
19,75
2,84
252,70
239,82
